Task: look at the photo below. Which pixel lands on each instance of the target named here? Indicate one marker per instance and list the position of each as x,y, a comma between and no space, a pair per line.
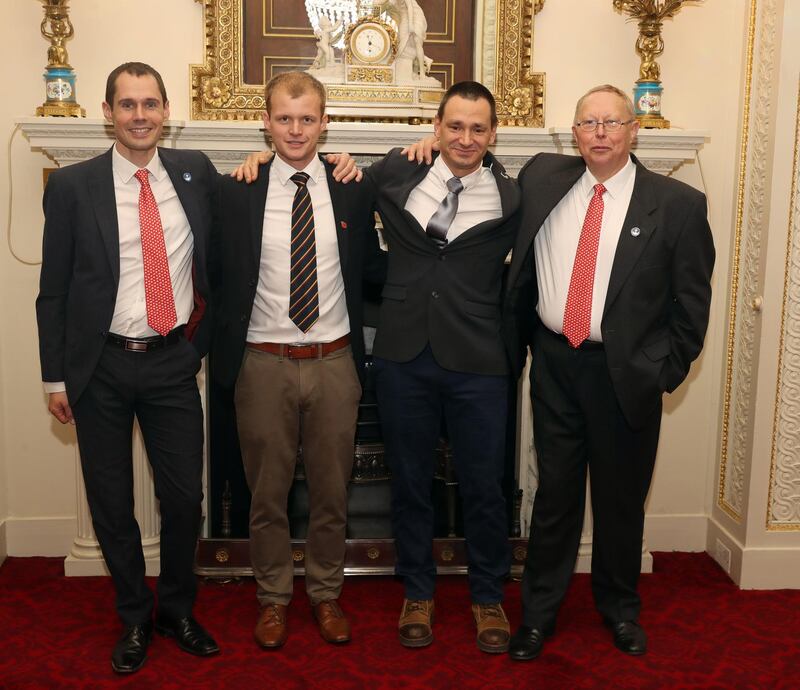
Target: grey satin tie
441,221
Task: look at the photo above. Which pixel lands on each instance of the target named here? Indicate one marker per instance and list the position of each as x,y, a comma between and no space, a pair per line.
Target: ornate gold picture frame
503,60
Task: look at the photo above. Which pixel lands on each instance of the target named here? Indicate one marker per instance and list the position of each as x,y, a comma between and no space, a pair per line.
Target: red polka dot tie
578,312
161,316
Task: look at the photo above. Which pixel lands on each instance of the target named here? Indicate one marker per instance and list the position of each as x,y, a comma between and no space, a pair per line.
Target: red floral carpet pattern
57,632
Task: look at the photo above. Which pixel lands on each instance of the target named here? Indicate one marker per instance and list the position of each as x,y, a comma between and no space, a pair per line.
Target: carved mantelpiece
226,143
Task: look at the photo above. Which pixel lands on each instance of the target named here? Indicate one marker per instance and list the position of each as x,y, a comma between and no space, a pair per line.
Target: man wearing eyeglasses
609,286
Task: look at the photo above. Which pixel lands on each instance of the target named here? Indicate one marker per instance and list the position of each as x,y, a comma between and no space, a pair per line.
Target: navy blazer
80,261
448,297
237,262
659,293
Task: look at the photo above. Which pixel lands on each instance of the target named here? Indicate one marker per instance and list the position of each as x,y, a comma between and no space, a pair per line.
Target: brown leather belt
317,350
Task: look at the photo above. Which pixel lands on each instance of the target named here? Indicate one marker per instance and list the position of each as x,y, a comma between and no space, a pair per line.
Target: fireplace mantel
70,140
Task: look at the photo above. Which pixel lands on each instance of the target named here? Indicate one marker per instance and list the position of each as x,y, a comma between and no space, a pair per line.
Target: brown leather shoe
493,629
271,631
333,625
415,623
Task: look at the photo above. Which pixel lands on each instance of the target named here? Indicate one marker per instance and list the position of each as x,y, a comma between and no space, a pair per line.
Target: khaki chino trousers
281,403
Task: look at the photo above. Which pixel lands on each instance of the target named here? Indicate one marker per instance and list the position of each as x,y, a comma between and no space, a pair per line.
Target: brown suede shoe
333,625
415,623
271,631
493,629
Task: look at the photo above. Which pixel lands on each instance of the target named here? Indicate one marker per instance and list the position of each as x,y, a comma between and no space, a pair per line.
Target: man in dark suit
293,248
439,353
610,288
122,329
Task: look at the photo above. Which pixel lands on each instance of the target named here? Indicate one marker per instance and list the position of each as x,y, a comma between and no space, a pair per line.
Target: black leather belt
585,345
145,344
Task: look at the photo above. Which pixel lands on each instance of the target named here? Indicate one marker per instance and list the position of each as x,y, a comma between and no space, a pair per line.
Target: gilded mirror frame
504,64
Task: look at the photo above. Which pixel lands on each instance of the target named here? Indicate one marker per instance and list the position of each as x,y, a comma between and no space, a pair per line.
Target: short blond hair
606,88
297,84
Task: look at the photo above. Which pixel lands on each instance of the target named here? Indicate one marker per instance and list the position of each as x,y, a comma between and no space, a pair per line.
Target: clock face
370,43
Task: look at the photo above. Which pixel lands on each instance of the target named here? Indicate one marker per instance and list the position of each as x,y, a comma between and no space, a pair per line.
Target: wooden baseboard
227,558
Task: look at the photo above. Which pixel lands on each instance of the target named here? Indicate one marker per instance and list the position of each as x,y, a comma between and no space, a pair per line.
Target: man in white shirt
293,249
122,328
609,286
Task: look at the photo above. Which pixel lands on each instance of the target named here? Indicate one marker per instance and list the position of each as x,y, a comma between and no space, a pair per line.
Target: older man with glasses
609,286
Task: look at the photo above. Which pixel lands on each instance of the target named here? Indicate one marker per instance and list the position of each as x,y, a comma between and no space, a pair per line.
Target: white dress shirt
269,321
130,310
556,244
478,202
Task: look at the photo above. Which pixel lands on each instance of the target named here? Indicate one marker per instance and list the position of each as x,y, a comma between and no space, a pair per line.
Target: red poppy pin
343,224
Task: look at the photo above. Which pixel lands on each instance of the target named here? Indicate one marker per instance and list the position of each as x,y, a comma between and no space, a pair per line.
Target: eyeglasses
608,125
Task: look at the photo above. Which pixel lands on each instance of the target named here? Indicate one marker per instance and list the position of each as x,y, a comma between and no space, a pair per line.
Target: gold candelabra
59,77
647,92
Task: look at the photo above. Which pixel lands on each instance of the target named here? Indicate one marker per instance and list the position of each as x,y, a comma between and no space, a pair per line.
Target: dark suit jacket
656,310
449,297
237,258
80,261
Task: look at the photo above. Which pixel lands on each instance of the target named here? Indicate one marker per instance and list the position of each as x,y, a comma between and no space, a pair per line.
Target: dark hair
297,84
471,90
137,69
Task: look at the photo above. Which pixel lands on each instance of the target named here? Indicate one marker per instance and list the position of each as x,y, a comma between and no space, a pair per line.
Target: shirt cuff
54,387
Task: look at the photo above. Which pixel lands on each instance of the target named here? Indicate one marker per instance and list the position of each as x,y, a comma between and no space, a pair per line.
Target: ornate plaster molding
751,214
784,486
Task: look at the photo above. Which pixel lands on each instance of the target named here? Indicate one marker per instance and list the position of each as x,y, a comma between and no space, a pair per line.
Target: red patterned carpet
57,632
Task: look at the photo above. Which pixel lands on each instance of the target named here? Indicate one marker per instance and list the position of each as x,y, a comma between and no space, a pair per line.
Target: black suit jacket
656,311
237,258
80,261
451,297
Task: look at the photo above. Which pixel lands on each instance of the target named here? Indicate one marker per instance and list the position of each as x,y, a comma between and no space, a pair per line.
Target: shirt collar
126,170
443,173
284,171
614,185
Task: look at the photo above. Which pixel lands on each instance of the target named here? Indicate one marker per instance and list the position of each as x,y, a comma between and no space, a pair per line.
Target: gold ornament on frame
647,91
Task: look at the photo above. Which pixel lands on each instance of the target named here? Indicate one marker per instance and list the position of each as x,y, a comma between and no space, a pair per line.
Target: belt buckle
133,346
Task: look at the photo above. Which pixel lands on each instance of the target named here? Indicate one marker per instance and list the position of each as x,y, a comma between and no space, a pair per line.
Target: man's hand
346,168
248,171
422,150
59,407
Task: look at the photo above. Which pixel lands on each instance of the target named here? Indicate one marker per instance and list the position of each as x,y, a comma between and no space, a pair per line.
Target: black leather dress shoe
629,637
526,643
189,634
131,649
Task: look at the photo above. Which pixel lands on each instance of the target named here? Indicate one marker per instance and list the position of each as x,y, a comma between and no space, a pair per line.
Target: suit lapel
184,187
339,202
637,229
101,193
544,198
258,200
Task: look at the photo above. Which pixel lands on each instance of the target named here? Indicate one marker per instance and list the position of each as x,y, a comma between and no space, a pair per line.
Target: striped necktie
303,291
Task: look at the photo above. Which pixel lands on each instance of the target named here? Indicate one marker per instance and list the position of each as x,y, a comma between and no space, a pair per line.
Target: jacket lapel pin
187,177
343,224
635,231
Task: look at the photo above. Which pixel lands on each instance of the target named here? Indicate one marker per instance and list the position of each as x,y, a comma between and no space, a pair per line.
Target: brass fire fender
218,92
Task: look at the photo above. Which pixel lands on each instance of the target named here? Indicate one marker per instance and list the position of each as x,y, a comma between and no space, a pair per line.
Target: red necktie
578,311
161,316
